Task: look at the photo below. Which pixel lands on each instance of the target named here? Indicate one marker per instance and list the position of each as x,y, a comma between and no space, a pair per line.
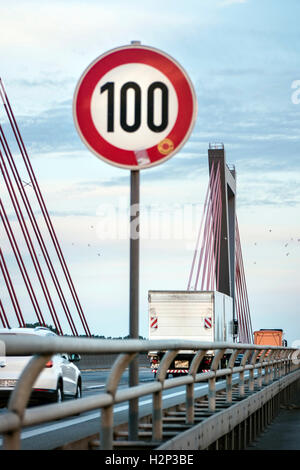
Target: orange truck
269,338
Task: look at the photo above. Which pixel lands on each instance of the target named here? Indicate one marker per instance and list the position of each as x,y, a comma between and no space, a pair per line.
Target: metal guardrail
270,363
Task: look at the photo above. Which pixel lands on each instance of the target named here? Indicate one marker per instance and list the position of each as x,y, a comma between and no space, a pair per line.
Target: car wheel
78,390
59,396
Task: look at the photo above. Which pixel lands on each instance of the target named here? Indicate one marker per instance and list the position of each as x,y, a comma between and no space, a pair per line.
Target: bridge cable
3,316
11,290
21,265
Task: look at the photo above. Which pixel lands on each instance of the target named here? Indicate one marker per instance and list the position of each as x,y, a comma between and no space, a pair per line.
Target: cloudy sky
243,59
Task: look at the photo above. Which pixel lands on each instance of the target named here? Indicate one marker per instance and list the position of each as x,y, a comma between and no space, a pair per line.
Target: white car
59,379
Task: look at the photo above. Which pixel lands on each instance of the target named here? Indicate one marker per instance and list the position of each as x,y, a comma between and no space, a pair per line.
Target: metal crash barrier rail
270,364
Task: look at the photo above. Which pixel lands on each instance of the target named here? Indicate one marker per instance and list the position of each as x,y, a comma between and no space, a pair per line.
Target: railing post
190,387
107,422
251,372
259,374
282,363
291,368
212,382
287,368
229,376
285,362
190,403
268,368
275,365
157,429
242,374
278,365
106,434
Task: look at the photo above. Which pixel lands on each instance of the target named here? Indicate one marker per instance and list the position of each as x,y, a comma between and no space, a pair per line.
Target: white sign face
134,107
136,114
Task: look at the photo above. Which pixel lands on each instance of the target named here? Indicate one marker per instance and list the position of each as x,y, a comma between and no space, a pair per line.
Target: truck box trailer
205,316
269,337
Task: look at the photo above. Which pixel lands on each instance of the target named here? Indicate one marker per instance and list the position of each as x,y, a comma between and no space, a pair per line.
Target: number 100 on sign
134,114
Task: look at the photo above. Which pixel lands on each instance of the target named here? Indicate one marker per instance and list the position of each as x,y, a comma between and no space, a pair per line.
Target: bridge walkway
284,431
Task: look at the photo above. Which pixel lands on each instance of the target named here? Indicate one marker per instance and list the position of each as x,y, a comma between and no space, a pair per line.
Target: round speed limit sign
134,107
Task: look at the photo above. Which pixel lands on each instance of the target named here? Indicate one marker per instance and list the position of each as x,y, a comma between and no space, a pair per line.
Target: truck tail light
49,364
154,359
207,362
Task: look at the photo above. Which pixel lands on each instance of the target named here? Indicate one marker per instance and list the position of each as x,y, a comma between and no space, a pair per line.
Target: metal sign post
134,294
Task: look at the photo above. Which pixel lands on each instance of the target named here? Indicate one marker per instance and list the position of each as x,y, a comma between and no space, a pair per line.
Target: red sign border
187,104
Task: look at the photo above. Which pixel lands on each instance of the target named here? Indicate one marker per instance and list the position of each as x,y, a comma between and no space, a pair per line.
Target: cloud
225,3
78,27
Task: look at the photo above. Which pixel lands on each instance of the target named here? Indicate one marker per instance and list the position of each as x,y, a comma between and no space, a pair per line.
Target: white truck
204,316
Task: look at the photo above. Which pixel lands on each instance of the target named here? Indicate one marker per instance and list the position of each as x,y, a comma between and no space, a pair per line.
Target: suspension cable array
206,259
32,235
210,235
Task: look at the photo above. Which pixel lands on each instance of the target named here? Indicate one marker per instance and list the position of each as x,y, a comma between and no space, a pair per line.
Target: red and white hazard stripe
153,322
207,322
178,371
173,371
